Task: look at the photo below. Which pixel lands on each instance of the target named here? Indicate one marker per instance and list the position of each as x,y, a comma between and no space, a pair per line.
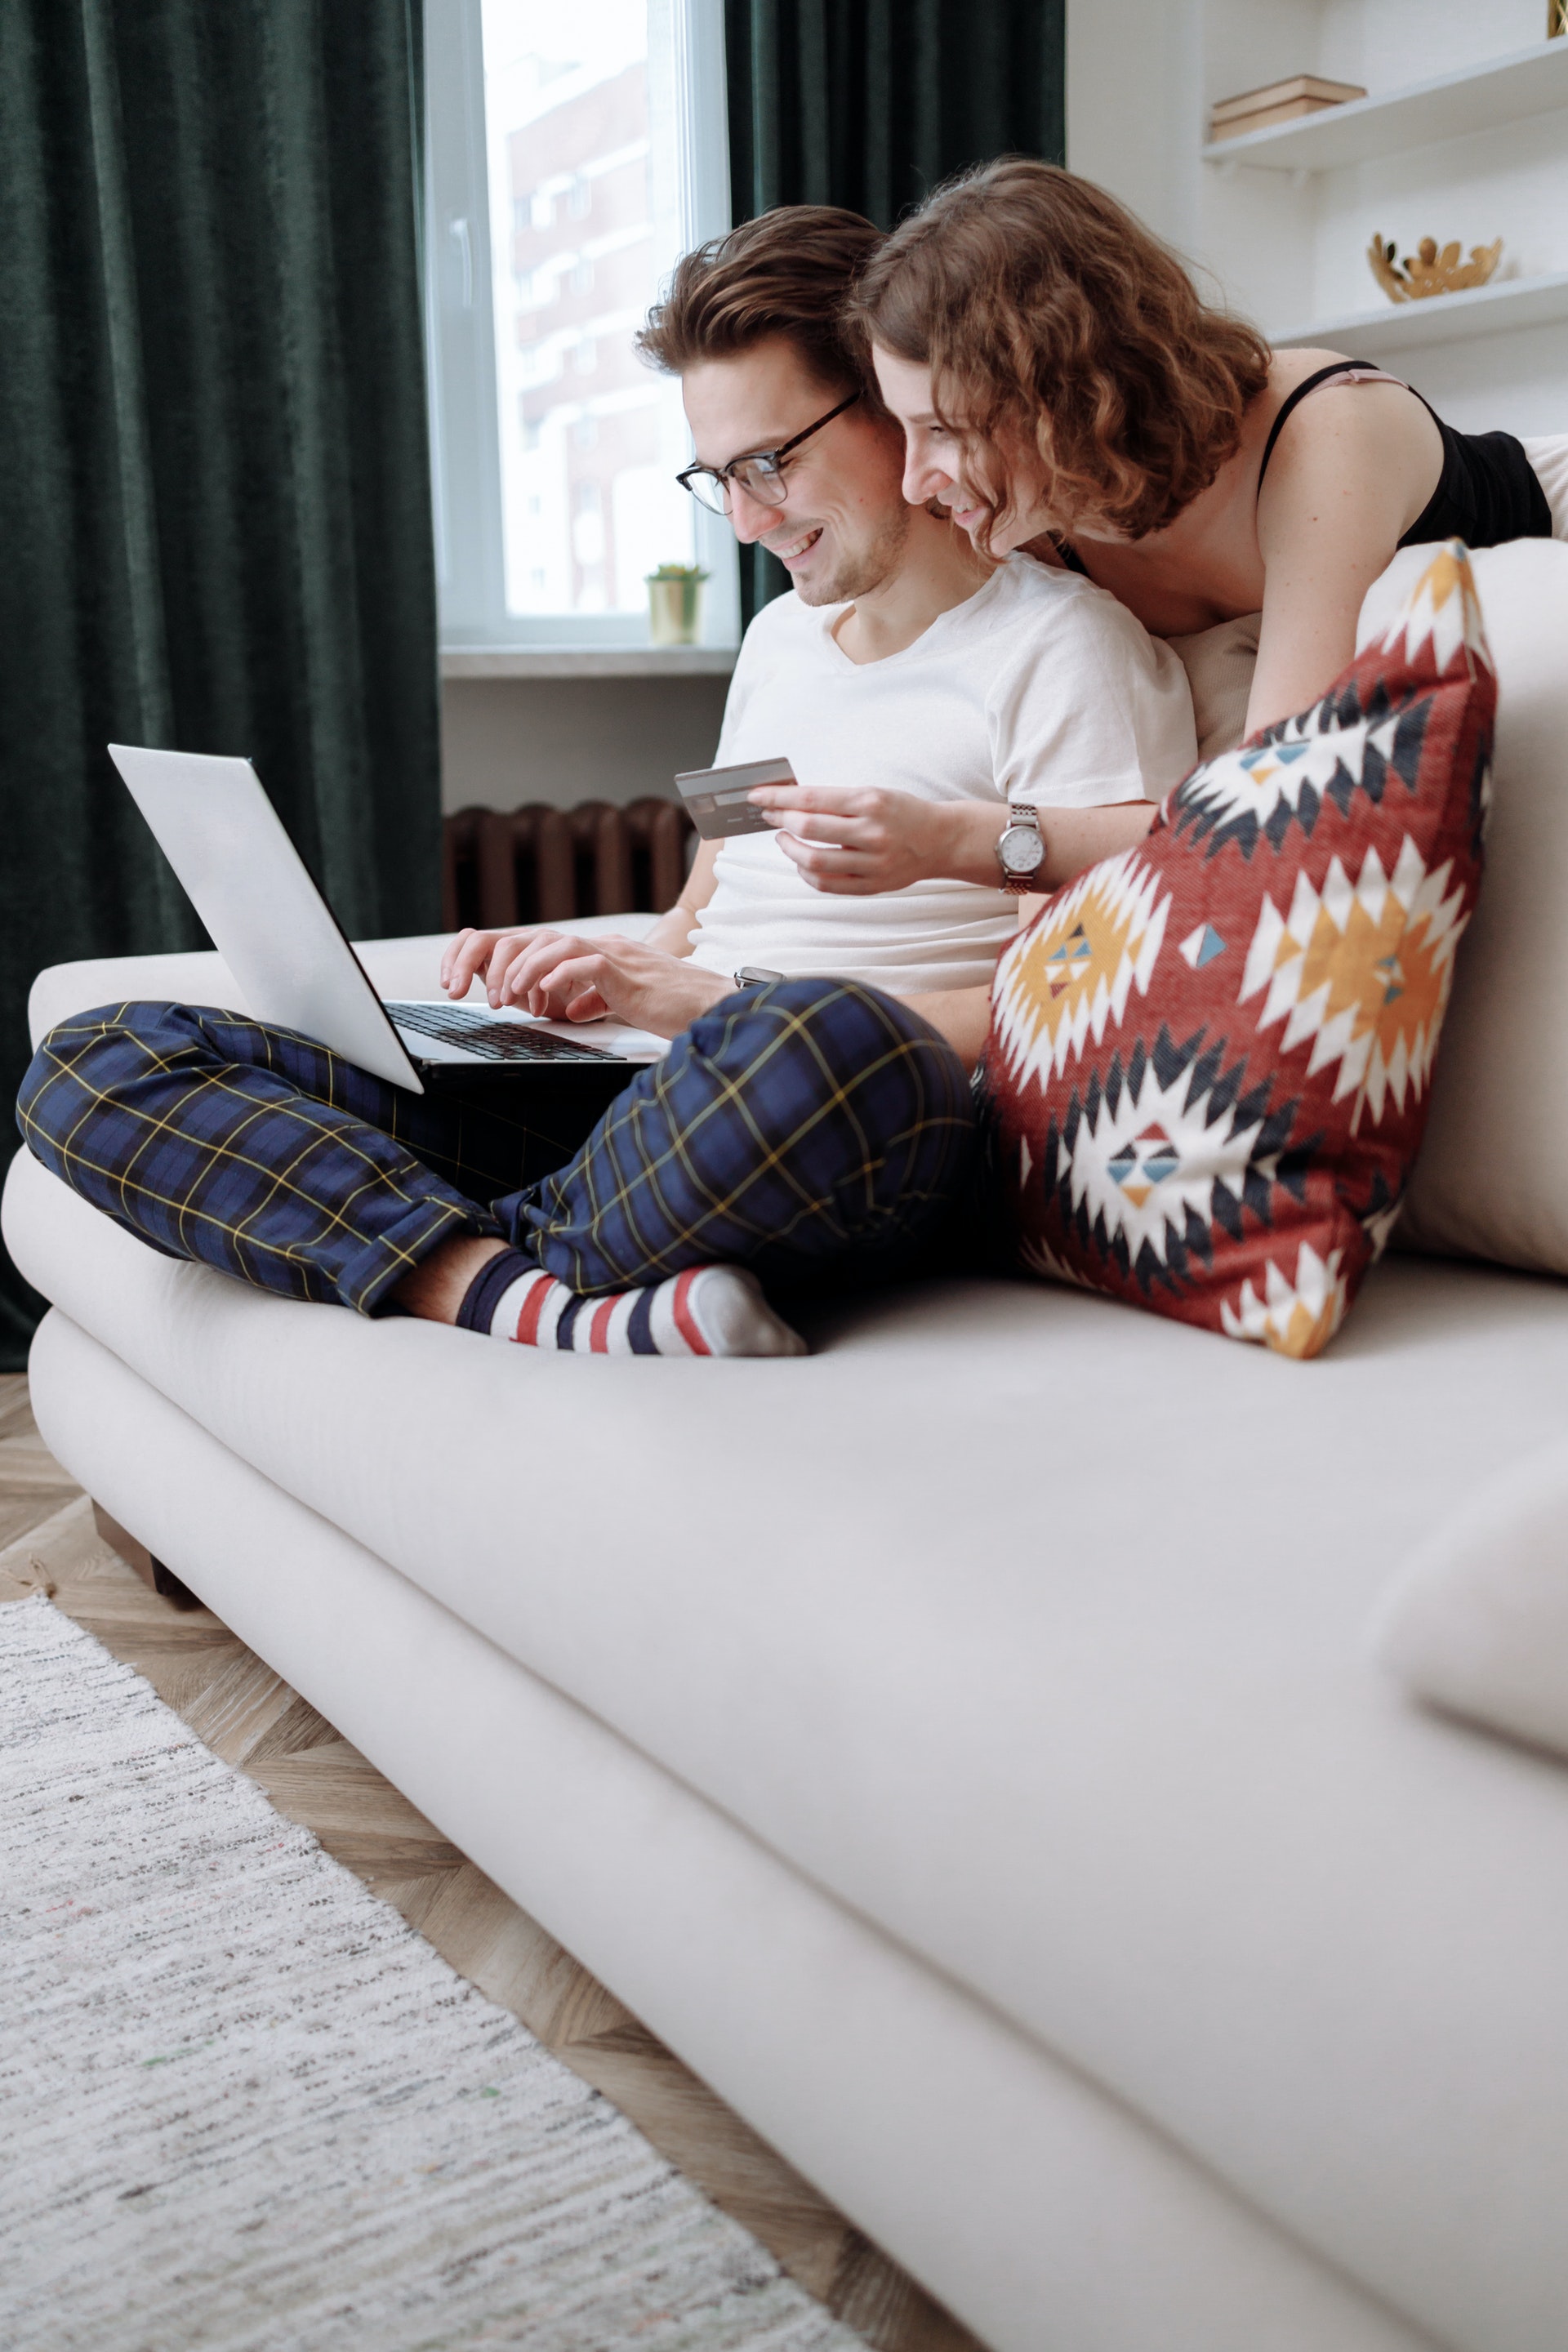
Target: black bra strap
1336,368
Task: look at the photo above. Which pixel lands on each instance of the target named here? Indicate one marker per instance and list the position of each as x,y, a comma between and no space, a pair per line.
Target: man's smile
793,550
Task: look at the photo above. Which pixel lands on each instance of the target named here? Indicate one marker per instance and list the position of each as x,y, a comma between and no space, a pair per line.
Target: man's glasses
760,474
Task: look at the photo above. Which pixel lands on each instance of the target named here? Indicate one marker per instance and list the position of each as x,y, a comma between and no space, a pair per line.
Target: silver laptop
288,953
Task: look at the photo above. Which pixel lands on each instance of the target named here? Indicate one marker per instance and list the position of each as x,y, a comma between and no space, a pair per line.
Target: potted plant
675,603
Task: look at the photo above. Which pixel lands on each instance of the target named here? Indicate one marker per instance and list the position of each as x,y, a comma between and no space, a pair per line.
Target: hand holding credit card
717,797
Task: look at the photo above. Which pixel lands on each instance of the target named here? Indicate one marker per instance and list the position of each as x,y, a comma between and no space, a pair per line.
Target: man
920,693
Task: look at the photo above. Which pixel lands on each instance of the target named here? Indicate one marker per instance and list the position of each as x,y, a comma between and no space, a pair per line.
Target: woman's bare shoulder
1288,369
1361,388
1372,425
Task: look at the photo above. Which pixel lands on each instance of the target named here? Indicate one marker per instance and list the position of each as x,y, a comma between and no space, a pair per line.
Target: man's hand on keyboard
483,956
564,978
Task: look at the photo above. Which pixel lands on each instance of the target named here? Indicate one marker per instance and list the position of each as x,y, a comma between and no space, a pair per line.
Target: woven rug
245,2108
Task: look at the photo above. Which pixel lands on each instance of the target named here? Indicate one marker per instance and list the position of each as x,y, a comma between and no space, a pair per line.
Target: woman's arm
1351,471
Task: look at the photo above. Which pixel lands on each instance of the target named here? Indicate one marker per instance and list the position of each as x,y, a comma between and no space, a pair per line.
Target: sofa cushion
1548,454
1468,1196
1493,1177
1478,1622
1034,1630
1219,663
1208,1065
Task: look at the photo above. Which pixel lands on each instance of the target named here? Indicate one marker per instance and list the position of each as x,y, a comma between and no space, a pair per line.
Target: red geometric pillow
1210,1057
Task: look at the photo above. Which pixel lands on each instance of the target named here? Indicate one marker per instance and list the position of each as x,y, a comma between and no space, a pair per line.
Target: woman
1064,390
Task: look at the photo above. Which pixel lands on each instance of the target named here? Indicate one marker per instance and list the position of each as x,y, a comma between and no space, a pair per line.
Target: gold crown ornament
1428,271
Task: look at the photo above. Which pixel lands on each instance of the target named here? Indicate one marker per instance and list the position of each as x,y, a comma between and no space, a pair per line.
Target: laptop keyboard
491,1040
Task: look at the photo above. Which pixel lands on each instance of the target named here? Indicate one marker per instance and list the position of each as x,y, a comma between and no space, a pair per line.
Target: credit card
717,796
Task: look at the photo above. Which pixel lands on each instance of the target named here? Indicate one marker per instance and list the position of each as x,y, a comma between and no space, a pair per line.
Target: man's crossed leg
791,1131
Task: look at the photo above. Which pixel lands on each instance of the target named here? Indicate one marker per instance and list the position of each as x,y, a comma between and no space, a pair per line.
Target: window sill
587,661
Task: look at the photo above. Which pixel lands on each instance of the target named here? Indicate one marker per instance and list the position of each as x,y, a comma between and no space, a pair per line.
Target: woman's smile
967,518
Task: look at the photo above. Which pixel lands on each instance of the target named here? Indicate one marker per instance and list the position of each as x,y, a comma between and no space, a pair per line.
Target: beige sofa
965,1746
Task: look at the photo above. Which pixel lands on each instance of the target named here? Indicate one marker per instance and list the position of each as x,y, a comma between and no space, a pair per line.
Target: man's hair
1054,323
788,273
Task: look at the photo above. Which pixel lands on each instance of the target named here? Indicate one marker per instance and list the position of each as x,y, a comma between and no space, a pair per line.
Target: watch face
1020,849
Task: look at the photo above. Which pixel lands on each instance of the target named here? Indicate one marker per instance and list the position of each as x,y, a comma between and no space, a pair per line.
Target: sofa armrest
400,967
62,989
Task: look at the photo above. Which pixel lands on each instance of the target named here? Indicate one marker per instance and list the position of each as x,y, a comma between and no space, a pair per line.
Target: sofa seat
1031,1630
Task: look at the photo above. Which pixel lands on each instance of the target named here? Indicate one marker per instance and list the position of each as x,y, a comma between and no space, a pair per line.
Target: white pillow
1219,664
1491,1180
1548,461
1477,1623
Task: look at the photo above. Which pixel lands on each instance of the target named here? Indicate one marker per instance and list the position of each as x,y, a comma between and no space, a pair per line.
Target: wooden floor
241,1709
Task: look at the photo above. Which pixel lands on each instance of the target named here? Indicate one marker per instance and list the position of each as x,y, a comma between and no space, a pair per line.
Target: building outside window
574,154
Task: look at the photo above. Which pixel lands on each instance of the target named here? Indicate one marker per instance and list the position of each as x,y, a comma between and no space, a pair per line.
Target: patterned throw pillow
1210,1057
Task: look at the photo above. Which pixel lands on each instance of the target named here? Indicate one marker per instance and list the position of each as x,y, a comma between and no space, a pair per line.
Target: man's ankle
438,1286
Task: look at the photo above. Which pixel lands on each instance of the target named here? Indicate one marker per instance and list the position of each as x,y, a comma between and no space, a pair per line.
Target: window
574,152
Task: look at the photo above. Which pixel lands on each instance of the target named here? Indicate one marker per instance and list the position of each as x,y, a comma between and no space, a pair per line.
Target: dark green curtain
870,103
215,502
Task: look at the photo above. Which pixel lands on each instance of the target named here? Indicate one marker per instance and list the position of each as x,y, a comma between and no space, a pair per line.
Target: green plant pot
674,612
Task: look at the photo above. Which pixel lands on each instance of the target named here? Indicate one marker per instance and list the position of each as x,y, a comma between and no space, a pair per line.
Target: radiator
537,865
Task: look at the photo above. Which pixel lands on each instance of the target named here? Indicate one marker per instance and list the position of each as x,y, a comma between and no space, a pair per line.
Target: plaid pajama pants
800,1129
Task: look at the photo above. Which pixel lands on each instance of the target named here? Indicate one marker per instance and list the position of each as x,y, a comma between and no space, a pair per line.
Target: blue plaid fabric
797,1127
809,1124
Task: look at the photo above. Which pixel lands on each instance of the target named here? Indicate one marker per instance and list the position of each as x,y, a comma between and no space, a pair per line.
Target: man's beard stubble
863,570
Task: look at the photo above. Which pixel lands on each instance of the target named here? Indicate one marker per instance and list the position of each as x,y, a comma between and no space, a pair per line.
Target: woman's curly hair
1054,323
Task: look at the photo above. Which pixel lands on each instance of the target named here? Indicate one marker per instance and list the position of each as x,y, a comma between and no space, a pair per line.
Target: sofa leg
137,1556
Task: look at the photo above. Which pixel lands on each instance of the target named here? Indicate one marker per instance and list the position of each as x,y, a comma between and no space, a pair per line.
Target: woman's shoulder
1330,417
1287,369
1298,386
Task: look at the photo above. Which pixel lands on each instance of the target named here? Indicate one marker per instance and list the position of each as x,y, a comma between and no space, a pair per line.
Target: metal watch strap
1021,812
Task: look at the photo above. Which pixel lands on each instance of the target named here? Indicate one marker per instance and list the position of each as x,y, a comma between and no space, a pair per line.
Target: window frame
459,319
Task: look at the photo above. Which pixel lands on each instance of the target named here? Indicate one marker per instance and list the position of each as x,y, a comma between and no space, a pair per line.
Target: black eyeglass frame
771,457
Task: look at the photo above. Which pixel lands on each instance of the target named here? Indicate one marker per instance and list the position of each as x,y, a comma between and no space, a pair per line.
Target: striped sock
709,1311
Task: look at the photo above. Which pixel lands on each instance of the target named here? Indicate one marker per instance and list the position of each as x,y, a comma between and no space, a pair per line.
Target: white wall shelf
1440,319
1466,138
587,661
1481,97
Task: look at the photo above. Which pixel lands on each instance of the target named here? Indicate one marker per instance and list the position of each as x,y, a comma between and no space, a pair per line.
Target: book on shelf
1278,101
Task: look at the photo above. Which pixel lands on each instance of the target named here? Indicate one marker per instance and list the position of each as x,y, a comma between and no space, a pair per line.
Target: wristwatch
1020,852
752,975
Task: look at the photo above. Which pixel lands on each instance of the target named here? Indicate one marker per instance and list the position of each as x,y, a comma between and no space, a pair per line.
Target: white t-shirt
1039,687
